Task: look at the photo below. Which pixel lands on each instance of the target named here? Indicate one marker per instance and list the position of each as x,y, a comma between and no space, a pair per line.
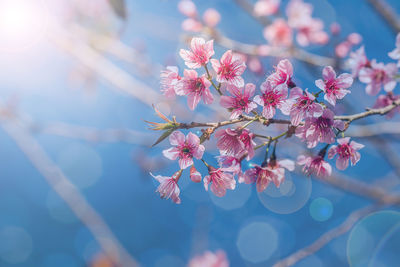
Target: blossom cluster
310,112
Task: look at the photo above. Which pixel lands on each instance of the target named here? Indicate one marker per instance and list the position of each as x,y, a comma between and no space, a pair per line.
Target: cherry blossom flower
185,148
266,7
300,105
220,181
187,8
199,54
346,151
378,75
229,69
298,13
169,81
195,175
271,99
282,75
235,142
211,17
279,33
386,100
229,163
168,187
357,61
319,129
395,54
315,166
195,88
271,171
209,259
240,100
192,25
333,87
311,32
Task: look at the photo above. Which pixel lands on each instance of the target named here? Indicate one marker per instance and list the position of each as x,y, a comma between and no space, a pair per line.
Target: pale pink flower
229,69
169,81
279,33
378,75
298,13
266,7
395,54
235,142
209,259
311,32
354,38
168,187
271,171
315,166
334,87
239,101
342,49
229,163
211,17
335,28
195,88
357,61
346,151
319,129
185,148
199,54
192,25
386,100
255,65
300,105
220,181
195,175
187,8
271,98
282,75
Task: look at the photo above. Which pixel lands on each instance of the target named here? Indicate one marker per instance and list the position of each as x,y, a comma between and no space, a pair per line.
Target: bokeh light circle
291,196
233,199
374,241
321,209
15,244
257,242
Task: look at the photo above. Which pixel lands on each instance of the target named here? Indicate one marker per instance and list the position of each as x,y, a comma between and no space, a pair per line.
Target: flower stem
209,77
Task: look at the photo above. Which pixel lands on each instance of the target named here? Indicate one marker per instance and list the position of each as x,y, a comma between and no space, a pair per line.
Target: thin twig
387,13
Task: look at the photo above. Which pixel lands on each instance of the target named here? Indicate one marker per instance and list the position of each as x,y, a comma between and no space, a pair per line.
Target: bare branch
387,13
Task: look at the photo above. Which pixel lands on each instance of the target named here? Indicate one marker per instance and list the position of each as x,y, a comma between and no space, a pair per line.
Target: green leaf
163,136
119,7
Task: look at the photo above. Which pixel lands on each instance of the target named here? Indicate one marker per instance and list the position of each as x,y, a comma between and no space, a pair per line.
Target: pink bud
255,65
195,176
211,17
187,8
192,25
343,49
354,38
335,28
266,7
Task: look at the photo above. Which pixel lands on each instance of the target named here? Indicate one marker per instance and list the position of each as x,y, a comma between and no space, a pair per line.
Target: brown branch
71,195
387,13
374,129
324,239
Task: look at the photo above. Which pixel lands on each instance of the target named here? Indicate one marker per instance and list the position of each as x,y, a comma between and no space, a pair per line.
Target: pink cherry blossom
386,100
235,142
187,8
346,151
185,148
319,129
195,175
192,25
378,75
271,171
357,61
395,54
168,187
195,88
298,13
211,17
333,87
266,7
311,32
342,49
282,75
279,33
229,163
300,105
229,69
199,54
209,259
169,81
315,166
271,99
239,101
220,181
